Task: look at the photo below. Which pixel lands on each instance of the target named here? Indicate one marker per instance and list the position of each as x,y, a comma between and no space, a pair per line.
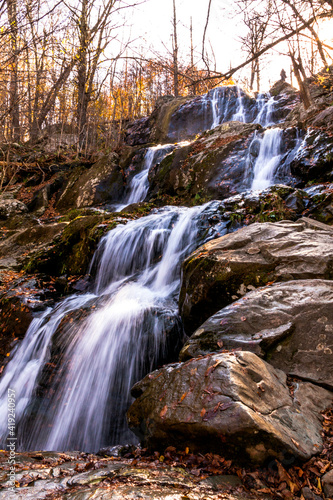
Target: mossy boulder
206,168
101,183
73,249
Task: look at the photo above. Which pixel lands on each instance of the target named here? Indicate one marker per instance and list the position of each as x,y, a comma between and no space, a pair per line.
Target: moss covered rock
73,249
207,168
101,183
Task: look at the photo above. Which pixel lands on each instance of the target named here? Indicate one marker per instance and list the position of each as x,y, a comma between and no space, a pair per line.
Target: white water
265,110
120,338
215,110
239,116
139,184
268,159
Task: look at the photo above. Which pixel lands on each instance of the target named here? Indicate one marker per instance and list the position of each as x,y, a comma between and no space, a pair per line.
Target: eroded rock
290,324
222,270
230,403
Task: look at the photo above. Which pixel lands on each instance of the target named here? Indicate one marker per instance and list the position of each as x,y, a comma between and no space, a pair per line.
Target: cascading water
266,106
139,185
105,340
268,159
219,105
239,116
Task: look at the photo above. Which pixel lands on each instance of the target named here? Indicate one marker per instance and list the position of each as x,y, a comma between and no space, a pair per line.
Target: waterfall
268,158
139,185
105,340
265,110
219,105
74,369
239,116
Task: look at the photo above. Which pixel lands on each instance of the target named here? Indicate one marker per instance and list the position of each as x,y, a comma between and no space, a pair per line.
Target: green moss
71,251
165,167
164,117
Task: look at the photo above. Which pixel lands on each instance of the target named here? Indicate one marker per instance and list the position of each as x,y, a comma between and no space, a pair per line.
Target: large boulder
232,404
224,269
214,166
290,324
101,183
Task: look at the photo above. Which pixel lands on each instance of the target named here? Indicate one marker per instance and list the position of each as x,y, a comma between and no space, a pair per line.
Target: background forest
73,70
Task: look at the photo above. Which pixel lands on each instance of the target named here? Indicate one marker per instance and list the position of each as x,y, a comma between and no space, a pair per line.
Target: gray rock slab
290,324
225,269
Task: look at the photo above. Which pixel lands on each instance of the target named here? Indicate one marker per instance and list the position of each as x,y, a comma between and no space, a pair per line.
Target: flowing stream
140,185
73,371
268,159
106,339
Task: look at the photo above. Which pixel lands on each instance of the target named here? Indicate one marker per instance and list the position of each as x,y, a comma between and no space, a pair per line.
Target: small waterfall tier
228,103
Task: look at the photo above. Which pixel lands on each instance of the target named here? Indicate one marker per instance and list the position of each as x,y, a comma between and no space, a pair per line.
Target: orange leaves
163,412
212,367
183,397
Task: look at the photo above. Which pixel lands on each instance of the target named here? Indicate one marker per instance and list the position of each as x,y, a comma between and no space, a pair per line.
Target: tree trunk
303,87
175,53
82,95
13,85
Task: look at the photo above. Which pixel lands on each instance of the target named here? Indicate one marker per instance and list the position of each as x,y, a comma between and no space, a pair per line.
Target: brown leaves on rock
212,368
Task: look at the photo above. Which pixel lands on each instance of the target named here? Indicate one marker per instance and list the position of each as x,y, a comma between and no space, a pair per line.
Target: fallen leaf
163,411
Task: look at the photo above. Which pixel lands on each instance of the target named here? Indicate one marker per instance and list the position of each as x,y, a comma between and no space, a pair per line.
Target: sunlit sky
152,22
152,27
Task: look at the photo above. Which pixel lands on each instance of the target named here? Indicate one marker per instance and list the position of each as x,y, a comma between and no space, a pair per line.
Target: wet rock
314,160
229,403
321,203
214,166
99,184
289,324
221,271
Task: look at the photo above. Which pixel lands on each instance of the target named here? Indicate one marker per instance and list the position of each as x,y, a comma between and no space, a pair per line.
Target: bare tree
257,23
203,54
175,52
14,106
